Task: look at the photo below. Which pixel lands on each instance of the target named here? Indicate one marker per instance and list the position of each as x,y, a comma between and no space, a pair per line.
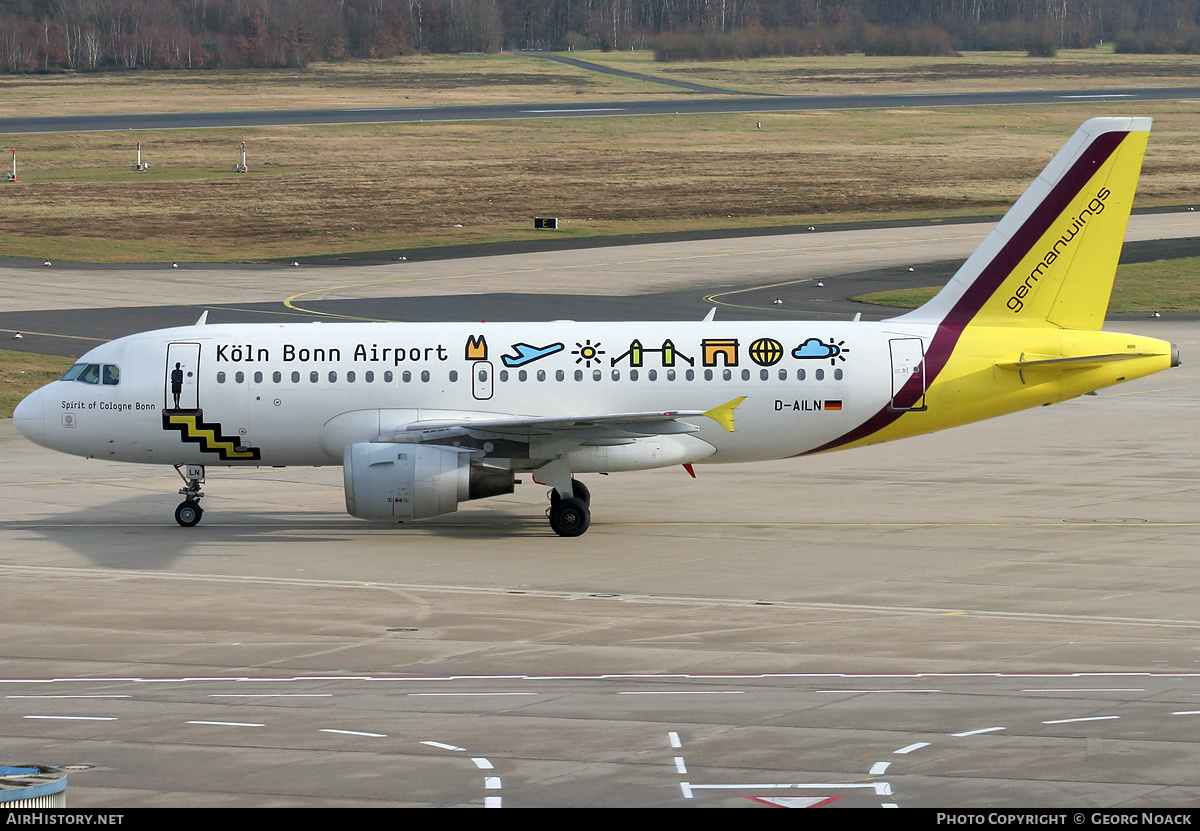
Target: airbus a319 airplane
423,417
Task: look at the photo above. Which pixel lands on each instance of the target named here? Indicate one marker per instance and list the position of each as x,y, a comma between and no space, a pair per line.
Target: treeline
85,35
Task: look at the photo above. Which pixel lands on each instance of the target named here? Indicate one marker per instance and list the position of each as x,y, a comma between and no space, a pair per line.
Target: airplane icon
527,354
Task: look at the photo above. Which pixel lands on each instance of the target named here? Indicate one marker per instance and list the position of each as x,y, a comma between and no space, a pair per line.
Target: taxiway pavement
998,615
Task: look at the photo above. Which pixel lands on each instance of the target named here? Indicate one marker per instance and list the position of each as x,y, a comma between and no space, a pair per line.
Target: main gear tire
570,517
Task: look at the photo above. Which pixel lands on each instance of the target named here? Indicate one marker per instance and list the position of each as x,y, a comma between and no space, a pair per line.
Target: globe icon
766,351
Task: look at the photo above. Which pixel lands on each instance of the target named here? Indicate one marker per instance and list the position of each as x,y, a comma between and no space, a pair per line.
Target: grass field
23,372
333,190
970,72
321,190
1159,286
416,81
427,80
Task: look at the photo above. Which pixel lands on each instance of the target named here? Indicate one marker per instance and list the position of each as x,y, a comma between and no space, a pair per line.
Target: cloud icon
813,348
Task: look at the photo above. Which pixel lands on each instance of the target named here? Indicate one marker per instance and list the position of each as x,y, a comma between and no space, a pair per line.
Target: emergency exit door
908,374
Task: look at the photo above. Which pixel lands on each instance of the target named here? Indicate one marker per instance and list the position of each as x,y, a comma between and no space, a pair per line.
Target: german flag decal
833,404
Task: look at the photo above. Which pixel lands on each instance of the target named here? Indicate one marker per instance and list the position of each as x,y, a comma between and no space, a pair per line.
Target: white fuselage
292,391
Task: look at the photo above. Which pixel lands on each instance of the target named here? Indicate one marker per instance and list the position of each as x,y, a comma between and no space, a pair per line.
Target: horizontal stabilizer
1079,362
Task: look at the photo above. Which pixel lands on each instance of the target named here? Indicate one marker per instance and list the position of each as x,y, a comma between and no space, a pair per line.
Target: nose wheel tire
188,513
570,517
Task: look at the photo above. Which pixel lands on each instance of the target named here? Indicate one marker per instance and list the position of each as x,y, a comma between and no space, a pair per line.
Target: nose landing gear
188,513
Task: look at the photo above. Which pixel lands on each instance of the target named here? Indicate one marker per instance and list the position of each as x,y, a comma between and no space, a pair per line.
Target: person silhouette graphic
177,383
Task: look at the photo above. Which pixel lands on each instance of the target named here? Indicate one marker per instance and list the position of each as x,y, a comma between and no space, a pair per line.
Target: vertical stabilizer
1051,260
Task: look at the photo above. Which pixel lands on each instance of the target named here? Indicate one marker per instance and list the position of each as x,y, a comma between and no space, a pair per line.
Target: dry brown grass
320,190
416,81
438,80
970,72
23,372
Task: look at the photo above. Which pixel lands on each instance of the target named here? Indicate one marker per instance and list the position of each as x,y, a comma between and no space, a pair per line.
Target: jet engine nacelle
401,482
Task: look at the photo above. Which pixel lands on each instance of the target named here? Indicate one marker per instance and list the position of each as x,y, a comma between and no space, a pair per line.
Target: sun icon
837,351
587,352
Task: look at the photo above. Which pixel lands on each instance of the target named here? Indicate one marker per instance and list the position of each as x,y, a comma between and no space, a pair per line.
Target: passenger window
387,377
406,376
616,375
670,375
633,375
313,377
559,375
369,377
240,377
295,377
112,375
708,375
651,375
579,375
764,375
541,376
745,375
522,375
333,377
504,375
220,377
799,374
690,375
597,375
350,376
258,376
277,377
820,375
837,375
425,375
783,375
453,375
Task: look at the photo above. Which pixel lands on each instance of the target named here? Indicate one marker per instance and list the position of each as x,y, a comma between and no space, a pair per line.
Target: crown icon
476,348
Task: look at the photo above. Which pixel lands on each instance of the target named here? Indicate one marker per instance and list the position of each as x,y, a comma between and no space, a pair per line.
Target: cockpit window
109,374
86,373
74,372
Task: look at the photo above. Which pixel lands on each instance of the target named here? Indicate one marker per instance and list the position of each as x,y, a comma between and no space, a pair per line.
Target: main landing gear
189,512
571,516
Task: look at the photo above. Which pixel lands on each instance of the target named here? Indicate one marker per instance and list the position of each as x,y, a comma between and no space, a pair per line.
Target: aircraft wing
586,429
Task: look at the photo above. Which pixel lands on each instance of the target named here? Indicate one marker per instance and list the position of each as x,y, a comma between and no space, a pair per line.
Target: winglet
712,313
723,414
203,318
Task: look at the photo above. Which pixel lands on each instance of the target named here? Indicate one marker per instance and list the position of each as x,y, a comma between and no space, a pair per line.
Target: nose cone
30,417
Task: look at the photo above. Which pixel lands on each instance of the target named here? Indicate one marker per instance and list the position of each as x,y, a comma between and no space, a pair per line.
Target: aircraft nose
30,417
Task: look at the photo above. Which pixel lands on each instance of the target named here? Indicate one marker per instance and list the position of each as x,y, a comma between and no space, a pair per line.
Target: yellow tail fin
1052,259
